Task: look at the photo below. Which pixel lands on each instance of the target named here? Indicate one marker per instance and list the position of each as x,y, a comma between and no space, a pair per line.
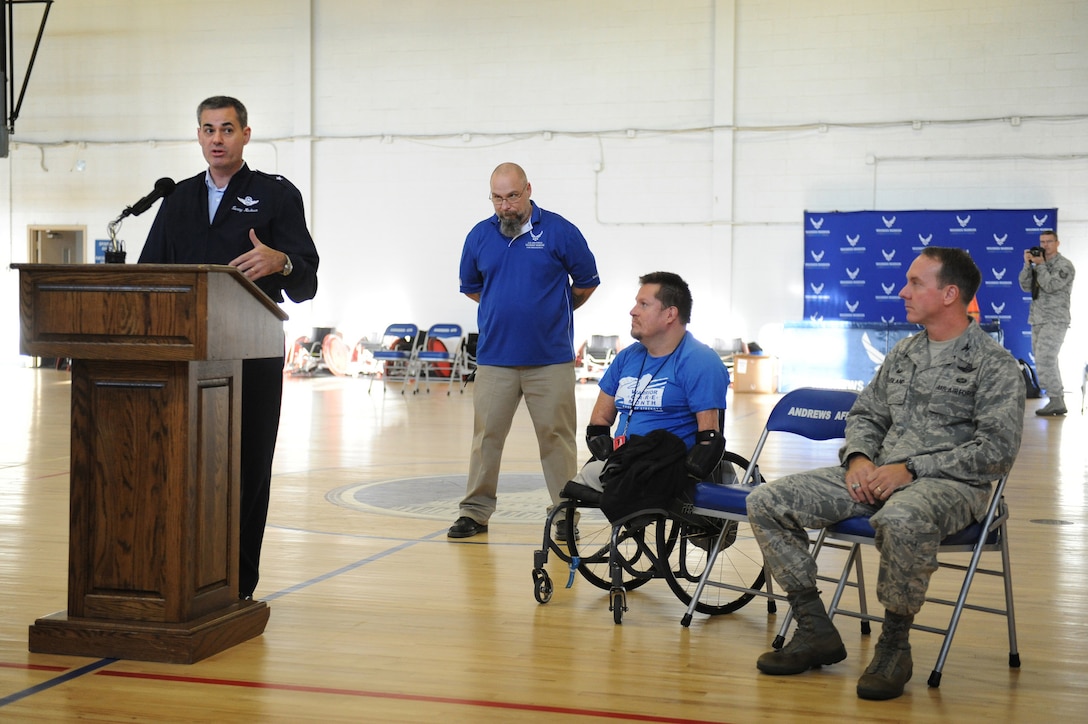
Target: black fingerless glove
705,455
599,440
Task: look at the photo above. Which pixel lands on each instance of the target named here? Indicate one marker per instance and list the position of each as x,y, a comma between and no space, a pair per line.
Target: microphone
163,188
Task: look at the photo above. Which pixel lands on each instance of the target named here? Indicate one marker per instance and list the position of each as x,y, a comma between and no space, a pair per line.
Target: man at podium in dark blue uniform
230,214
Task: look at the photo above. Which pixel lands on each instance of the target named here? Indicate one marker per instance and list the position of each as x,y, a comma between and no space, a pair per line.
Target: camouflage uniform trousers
909,527
1046,343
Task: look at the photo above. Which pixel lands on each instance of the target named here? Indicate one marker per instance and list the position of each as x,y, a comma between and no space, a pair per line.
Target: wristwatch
288,267
910,468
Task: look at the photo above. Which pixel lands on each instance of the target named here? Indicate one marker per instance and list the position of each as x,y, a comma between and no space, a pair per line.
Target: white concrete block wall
363,105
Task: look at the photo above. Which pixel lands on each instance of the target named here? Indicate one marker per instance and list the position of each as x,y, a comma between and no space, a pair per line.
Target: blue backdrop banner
856,262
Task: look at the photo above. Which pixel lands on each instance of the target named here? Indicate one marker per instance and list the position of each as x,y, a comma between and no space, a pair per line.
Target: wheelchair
670,543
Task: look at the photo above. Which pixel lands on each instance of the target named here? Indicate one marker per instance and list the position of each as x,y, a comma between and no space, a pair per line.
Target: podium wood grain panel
153,445
155,453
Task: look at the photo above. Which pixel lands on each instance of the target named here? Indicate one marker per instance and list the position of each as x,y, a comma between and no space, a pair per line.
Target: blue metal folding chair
812,413
397,355
988,536
440,359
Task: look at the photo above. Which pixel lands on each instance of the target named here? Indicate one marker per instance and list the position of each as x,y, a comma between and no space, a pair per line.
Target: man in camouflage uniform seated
938,423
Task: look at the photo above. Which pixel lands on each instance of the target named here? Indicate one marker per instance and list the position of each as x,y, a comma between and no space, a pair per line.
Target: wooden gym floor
377,617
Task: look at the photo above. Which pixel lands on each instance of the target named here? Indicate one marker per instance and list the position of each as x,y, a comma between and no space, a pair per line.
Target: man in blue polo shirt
528,269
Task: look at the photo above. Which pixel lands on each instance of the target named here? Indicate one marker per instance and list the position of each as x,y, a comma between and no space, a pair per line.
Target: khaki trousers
549,396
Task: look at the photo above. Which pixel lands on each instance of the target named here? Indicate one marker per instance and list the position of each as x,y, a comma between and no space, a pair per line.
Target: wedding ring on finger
855,486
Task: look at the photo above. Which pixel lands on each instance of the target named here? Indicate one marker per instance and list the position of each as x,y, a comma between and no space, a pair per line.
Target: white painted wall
687,136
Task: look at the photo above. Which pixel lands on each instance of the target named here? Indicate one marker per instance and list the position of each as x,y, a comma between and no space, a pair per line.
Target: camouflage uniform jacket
1055,279
959,419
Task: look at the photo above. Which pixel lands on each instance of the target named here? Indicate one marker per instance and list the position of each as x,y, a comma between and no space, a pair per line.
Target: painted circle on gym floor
523,497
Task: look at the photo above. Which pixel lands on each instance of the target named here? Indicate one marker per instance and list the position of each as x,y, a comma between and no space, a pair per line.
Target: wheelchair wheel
739,562
637,544
542,586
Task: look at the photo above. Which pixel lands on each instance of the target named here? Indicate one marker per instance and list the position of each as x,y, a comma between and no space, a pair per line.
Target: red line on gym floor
407,697
32,667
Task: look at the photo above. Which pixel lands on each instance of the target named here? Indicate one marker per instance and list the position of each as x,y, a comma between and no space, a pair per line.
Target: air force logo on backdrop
816,229
889,226
889,260
852,311
851,279
962,227
925,239
1042,223
852,245
999,279
817,260
999,243
888,293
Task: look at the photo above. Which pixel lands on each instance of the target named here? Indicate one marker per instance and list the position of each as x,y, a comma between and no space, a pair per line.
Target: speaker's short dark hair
217,102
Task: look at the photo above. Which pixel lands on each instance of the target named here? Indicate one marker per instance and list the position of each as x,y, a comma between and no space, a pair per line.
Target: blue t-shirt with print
664,393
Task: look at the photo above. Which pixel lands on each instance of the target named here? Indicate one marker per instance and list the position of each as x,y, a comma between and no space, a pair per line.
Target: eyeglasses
511,199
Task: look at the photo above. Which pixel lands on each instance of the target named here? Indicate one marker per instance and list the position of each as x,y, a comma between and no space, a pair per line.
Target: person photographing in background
1049,277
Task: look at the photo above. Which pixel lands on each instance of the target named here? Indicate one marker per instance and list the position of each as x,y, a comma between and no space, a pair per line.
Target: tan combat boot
815,643
892,666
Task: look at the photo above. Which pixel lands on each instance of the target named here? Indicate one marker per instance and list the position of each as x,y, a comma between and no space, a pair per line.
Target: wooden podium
155,469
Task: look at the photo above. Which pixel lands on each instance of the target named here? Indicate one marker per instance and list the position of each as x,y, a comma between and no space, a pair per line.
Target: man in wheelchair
938,423
667,390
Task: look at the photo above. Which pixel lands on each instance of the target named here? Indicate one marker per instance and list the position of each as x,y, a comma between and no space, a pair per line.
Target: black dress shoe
465,527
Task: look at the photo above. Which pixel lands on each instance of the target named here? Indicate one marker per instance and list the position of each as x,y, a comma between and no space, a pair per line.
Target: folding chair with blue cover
812,413
441,359
397,355
987,536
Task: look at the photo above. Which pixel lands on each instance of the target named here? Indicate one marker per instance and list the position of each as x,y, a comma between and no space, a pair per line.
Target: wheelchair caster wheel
617,604
543,586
